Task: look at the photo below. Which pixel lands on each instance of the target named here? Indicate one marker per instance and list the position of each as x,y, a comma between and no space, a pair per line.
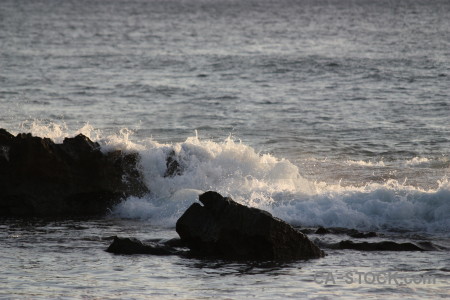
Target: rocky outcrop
41,178
226,229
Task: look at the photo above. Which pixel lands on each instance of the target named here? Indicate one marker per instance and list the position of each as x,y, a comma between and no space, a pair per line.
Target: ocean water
325,113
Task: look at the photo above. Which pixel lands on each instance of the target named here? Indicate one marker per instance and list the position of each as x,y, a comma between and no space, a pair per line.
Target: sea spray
262,180
276,185
388,206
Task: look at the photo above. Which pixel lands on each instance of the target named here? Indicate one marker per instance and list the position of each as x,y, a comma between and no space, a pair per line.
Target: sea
332,113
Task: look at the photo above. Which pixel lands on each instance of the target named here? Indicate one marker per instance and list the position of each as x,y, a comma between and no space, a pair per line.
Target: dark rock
350,232
172,165
41,178
379,246
429,246
175,242
226,229
340,230
322,230
364,235
134,246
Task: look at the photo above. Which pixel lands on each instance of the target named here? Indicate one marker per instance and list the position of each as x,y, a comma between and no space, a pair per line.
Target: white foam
418,161
161,211
57,131
264,181
366,163
391,206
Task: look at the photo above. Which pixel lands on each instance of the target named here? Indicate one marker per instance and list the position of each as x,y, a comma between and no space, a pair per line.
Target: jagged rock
226,229
41,178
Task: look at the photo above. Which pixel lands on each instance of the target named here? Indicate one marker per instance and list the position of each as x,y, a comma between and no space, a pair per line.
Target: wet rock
350,232
135,246
41,178
378,246
175,242
322,230
364,235
226,229
172,165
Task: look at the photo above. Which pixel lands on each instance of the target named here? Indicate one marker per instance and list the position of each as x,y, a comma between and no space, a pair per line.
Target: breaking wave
235,169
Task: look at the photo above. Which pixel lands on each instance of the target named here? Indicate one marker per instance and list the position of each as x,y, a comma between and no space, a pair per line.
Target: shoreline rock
378,246
353,233
226,229
41,178
135,246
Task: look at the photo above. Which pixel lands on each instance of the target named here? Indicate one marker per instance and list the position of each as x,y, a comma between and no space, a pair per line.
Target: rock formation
226,229
41,178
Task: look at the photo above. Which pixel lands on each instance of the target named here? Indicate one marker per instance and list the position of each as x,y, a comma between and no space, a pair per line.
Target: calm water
331,113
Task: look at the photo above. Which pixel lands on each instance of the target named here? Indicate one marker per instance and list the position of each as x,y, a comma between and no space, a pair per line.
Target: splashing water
264,181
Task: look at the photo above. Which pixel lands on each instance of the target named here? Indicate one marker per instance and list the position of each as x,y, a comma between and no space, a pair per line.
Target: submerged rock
364,235
350,232
226,229
135,246
41,178
322,230
378,246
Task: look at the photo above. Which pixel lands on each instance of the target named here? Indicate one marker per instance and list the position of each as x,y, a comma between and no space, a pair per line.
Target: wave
264,181
418,161
366,163
425,162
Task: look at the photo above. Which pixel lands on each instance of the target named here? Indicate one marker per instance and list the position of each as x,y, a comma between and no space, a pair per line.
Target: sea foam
235,169
264,181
